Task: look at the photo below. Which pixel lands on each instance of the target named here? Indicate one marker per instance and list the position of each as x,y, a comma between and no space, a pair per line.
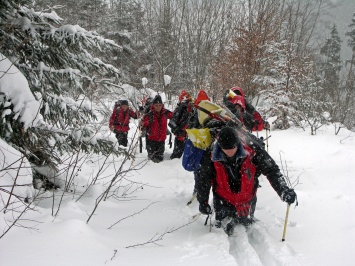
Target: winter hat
228,138
202,95
238,91
124,102
184,96
157,99
238,100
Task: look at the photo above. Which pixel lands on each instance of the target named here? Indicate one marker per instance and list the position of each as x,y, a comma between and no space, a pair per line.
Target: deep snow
320,230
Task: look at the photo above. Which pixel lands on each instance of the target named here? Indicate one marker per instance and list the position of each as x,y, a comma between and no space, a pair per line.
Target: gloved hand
243,210
205,208
288,195
266,125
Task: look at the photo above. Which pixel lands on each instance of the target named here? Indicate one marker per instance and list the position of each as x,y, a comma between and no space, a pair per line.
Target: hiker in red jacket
119,121
244,111
233,170
155,122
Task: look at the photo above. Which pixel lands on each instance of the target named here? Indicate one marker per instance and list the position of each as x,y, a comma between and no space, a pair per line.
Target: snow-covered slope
145,225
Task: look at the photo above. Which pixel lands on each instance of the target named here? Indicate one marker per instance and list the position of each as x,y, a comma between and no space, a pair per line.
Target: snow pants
122,138
179,146
155,150
223,209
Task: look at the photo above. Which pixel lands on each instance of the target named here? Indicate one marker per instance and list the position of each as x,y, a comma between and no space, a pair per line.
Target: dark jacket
180,119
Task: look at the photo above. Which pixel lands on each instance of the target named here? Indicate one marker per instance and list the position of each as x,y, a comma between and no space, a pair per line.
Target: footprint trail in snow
254,246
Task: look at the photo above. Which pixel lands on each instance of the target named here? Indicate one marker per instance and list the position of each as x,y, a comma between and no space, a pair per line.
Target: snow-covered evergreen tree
59,64
331,64
348,97
279,80
292,91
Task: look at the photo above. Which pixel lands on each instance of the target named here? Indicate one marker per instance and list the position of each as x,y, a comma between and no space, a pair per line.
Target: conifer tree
57,60
331,64
347,116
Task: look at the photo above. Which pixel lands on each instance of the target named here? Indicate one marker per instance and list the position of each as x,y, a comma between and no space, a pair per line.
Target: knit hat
124,102
157,99
228,138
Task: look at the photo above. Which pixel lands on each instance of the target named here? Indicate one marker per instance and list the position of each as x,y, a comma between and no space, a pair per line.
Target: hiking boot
229,228
157,159
247,222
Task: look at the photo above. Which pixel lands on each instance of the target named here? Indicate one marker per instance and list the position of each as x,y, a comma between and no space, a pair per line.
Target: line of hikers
216,144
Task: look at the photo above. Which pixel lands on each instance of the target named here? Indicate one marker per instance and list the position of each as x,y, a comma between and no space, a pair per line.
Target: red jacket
120,119
247,183
156,124
259,122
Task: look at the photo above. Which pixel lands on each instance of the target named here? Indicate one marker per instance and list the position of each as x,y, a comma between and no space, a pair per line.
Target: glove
266,125
243,210
111,128
205,208
288,195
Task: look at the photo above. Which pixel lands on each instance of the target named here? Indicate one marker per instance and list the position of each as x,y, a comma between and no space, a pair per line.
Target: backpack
192,156
180,119
199,140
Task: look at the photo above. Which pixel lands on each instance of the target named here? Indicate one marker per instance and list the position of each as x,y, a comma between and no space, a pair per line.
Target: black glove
266,125
205,208
288,195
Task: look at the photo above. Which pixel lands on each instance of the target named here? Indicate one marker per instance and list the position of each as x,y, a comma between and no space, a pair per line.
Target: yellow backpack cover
200,138
210,106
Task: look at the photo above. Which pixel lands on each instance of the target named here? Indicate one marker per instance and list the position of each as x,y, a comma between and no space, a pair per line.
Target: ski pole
267,140
170,142
140,140
286,221
192,199
211,223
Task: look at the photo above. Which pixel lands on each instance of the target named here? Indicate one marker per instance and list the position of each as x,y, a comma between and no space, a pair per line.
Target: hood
219,156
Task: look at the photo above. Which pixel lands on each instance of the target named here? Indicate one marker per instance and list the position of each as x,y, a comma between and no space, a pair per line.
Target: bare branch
130,216
158,237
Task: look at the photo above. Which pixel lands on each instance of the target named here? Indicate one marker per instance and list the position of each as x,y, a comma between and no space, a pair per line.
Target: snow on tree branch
15,87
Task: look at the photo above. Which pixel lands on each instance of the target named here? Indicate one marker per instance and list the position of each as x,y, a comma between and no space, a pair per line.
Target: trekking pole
211,222
140,140
286,221
170,142
267,140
